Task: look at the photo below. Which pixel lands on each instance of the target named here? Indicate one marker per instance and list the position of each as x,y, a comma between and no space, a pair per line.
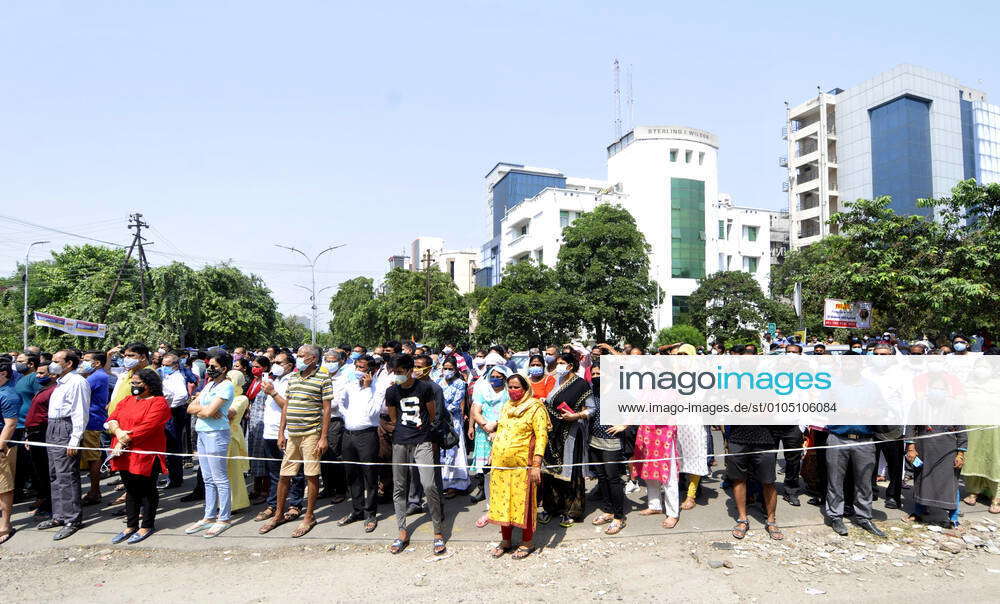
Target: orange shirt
542,387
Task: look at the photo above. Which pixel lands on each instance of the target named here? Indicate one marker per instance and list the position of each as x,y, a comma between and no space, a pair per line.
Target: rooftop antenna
630,100
618,102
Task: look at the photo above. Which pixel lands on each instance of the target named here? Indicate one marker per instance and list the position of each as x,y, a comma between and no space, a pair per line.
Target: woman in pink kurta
660,443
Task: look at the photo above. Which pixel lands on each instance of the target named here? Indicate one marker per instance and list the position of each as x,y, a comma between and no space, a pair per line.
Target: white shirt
71,399
339,381
175,389
359,406
272,410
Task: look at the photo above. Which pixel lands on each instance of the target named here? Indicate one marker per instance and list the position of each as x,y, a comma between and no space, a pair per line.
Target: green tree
604,262
403,306
730,306
355,317
688,334
236,308
527,309
292,333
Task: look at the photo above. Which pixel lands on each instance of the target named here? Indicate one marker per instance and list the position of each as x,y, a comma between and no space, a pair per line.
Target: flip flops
303,528
399,545
217,529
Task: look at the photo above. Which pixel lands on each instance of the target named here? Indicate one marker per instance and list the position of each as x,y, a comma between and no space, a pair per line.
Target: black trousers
362,481
40,466
822,476
609,470
175,443
564,496
334,477
893,452
791,438
22,465
141,495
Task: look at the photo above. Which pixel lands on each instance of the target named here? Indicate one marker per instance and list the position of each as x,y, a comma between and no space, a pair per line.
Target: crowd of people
284,430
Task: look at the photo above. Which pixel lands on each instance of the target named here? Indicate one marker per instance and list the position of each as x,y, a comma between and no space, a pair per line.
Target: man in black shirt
411,405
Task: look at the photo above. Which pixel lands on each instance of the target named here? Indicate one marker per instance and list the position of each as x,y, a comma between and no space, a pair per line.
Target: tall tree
527,309
355,315
604,262
730,306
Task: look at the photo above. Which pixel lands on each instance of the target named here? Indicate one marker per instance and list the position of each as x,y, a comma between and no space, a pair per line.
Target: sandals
995,506
566,522
217,529
544,518
264,515
6,536
500,550
615,527
483,521
603,519
649,512
670,522
773,530
371,525
199,526
270,525
439,547
688,504
292,514
739,532
399,545
913,518
303,528
970,499
523,551
88,500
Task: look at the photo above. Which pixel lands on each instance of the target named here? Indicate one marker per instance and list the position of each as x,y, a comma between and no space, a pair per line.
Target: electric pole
138,241
427,277
26,253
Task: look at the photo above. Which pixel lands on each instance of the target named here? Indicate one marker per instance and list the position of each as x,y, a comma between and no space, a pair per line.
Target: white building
909,132
669,177
741,240
459,264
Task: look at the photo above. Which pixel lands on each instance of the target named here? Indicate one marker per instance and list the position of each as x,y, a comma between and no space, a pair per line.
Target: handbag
443,436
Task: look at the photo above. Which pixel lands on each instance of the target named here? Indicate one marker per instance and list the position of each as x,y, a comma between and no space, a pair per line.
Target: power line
55,230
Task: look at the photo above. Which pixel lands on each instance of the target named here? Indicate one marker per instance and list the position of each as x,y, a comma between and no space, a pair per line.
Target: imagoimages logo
782,383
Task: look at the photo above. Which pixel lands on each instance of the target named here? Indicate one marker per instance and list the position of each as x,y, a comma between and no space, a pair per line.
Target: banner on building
73,327
850,315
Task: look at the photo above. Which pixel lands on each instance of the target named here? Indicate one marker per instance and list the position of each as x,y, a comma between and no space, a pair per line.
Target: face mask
377,358
86,367
55,368
277,370
959,347
562,370
355,356
137,390
515,393
536,371
399,380
595,384
447,350
213,372
21,368
332,367
237,356
301,365
130,363
162,351
479,361
420,372
549,359
182,362
169,370
496,382
856,349
44,380
257,371
448,373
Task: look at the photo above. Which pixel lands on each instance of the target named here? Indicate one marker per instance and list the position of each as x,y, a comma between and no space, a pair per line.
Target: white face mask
277,370
562,369
400,379
55,368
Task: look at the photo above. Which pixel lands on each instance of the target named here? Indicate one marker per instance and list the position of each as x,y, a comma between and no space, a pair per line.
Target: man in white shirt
360,404
69,411
334,478
175,390
281,371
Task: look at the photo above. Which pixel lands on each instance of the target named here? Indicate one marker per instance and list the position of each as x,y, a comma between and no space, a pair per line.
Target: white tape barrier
436,465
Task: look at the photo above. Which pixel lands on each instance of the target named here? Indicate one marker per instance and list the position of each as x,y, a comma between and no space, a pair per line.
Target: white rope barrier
859,443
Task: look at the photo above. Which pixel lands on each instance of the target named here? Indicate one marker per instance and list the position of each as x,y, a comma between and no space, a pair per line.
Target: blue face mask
130,363
301,365
355,356
44,380
549,359
536,371
182,362
496,382
448,373
959,347
169,370
332,367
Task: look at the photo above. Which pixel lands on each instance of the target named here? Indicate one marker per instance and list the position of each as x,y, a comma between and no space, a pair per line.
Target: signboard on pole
73,327
850,315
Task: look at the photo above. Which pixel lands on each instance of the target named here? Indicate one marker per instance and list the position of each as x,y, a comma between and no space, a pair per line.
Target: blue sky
236,125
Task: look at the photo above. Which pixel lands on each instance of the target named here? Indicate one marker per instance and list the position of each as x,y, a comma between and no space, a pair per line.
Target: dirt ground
696,562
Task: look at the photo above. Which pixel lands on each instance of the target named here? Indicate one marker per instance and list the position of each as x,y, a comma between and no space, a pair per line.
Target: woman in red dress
660,443
138,424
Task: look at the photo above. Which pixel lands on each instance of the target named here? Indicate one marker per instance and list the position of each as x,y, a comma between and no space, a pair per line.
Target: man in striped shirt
302,433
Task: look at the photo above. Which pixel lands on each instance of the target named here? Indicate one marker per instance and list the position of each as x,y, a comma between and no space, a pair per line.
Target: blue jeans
213,470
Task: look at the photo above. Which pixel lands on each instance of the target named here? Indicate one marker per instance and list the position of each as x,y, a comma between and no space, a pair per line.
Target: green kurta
982,462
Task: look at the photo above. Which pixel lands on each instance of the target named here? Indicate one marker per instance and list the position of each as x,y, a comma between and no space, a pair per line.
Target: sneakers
631,486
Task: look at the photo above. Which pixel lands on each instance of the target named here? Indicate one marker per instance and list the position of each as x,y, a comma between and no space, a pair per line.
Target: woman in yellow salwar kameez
237,468
519,443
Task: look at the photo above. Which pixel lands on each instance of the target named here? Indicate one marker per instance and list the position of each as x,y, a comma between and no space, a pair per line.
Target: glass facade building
517,186
901,153
986,141
680,312
687,228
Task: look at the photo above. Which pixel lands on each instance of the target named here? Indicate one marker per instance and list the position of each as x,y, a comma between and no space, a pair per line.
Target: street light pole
312,291
27,252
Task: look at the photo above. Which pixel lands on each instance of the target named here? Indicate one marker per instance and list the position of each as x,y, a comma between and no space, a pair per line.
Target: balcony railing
785,186
783,161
